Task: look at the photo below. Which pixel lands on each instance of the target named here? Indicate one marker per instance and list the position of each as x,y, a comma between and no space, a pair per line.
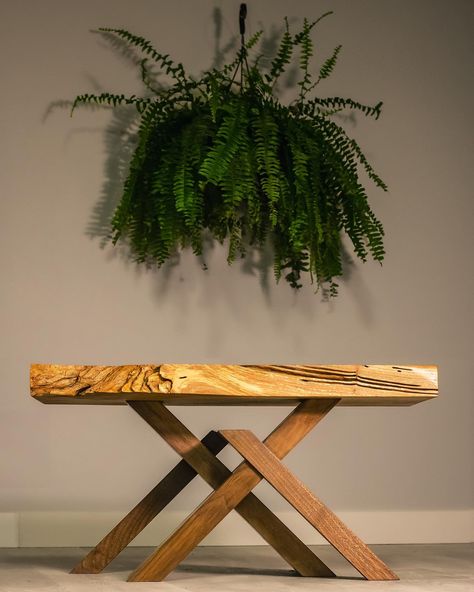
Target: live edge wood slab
313,390
215,384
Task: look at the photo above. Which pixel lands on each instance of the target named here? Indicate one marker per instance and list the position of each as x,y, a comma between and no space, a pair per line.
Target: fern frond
254,39
305,56
168,65
351,150
265,129
310,107
184,189
215,97
299,36
228,140
283,56
329,65
110,100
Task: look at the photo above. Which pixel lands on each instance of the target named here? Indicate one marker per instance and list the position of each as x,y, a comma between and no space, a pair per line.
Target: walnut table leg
308,505
144,512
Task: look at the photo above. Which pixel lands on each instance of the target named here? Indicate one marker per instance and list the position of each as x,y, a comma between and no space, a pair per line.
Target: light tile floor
421,568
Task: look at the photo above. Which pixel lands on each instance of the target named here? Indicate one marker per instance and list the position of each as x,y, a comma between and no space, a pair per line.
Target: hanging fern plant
222,155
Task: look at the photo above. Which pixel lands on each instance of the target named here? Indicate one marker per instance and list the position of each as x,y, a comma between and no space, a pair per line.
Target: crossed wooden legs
144,512
233,490
308,505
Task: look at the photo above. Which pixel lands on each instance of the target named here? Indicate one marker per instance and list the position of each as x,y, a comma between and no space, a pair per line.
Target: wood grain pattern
214,472
224,499
144,512
308,505
206,384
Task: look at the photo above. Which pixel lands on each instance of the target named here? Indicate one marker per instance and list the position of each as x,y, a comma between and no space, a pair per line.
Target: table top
220,384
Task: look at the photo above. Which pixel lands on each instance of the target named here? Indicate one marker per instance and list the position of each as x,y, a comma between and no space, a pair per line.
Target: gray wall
65,300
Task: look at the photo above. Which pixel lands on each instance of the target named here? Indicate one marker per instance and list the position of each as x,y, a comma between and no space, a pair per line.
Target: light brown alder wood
213,384
212,470
308,505
219,503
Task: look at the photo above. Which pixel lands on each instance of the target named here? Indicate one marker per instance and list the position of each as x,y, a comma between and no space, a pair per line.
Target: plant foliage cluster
222,155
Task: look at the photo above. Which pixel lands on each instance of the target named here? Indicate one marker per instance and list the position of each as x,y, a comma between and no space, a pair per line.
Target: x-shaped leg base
233,491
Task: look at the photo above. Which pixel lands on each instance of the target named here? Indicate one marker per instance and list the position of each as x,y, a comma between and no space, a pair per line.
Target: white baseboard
83,529
9,530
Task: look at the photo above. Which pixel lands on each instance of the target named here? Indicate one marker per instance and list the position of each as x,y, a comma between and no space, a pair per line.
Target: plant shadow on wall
222,158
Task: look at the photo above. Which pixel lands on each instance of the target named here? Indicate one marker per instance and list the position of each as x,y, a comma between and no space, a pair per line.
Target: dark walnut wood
308,505
144,512
229,495
215,473
187,384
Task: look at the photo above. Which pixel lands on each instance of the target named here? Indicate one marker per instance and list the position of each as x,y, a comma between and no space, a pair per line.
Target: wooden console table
313,390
